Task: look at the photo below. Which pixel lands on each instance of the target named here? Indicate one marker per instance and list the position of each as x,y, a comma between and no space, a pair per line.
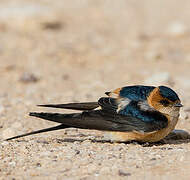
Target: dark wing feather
108,104
134,124
75,106
62,126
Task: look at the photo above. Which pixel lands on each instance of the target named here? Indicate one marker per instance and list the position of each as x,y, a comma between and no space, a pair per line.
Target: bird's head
165,100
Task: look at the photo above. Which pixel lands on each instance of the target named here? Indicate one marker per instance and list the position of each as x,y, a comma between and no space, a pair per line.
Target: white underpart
144,106
123,103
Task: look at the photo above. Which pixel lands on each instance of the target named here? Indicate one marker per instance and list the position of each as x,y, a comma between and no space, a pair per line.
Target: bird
131,113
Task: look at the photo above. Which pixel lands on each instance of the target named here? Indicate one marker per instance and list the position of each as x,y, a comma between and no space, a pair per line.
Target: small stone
77,152
54,25
122,173
42,141
65,77
38,164
28,77
12,163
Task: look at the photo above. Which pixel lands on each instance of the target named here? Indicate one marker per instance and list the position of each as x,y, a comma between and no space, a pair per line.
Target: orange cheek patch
154,98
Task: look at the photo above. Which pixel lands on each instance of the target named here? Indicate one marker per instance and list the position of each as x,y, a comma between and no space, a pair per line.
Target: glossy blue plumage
168,93
133,109
136,93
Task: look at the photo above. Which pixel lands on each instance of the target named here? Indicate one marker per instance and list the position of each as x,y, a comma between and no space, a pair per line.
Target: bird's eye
164,102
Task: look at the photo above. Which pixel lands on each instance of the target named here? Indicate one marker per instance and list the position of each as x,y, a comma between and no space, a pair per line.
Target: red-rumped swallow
140,113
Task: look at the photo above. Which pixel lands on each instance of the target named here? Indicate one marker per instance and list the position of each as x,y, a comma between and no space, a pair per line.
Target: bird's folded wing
101,120
129,118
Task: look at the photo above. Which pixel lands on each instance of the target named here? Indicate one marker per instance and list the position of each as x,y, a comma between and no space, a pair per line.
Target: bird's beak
178,105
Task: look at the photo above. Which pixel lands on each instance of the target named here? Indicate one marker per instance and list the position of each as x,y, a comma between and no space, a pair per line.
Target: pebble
54,25
27,77
12,163
122,173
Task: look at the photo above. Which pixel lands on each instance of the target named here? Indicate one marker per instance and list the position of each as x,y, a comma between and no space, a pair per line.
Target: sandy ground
70,51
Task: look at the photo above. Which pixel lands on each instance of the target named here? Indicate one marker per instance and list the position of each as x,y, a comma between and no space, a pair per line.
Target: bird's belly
143,137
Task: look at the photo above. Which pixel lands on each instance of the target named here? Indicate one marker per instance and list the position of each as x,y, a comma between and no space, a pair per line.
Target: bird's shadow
144,144
176,137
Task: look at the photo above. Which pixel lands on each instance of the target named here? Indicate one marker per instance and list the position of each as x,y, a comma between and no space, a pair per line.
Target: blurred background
67,51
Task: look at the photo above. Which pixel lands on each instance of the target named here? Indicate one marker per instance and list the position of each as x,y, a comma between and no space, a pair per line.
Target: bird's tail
62,126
